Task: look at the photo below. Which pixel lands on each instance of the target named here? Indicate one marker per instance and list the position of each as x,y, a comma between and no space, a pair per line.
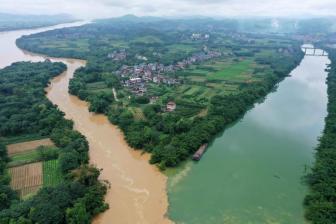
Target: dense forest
24,111
210,94
321,201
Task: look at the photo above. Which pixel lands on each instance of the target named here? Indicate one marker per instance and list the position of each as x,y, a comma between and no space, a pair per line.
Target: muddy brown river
138,190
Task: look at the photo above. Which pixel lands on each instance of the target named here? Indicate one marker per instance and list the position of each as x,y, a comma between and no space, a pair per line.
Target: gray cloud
218,8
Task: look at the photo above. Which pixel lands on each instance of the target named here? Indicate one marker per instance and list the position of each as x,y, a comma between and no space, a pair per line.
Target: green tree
77,214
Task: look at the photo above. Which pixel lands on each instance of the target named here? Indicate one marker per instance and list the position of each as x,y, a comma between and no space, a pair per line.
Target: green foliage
100,102
24,110
77,214
320,202
142,100
212,94
52,175
68,161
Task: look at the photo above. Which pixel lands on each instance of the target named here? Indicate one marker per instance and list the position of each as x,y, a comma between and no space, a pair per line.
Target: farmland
28,146
30,166
26,179
196,68
205,66
40,142
51,173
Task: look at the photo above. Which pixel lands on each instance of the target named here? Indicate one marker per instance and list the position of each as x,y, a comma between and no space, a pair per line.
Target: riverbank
138,190
253,171
320,200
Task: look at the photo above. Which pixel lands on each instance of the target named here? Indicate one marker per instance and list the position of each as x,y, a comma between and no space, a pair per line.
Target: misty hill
250,25
15,22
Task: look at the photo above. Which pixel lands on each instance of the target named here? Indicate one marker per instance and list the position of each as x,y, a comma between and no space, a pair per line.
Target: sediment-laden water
138,190
251,173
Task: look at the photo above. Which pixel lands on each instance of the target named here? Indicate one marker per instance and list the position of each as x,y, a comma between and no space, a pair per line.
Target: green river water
252,173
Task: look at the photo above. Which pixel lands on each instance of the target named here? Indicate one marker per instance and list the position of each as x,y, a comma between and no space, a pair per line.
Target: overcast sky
217,8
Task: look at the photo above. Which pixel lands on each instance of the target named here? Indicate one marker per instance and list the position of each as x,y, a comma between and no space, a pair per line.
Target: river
252,173
138,192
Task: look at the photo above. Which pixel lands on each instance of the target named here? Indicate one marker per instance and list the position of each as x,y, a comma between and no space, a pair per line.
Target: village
135,77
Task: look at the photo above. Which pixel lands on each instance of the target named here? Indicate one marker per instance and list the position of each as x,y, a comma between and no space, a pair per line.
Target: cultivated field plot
28,146
51,173
26,179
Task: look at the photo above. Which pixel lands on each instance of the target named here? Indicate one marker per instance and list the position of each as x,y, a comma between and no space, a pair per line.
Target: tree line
320,202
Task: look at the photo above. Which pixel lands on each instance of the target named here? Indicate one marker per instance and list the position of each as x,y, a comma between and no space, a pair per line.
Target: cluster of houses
135,77
200,36
118,55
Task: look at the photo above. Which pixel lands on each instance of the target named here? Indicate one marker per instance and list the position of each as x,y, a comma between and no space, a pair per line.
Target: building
171,106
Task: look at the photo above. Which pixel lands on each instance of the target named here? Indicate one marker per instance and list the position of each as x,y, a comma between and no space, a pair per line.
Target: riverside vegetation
210,93
320,202
71,195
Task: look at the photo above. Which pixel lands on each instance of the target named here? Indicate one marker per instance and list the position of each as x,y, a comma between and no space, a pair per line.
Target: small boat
199,153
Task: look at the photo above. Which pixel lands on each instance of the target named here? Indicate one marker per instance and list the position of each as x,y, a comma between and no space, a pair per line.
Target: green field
51,173
77,45
238,71
175,48
24,158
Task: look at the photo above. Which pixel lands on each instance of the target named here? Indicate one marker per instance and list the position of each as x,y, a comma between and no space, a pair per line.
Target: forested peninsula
170,90
70,190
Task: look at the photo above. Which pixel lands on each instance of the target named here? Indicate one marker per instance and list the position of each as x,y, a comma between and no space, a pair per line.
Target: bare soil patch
28,146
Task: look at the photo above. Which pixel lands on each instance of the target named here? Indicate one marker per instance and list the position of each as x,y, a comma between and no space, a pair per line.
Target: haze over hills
300,25
14,22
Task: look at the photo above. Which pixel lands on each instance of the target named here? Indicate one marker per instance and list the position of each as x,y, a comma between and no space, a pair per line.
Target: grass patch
234,72
96,85
51,173
24,158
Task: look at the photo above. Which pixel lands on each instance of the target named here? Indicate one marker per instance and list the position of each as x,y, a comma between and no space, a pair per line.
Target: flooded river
138,190
251,173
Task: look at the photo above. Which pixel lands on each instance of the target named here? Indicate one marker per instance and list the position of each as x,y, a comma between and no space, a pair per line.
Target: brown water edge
138,190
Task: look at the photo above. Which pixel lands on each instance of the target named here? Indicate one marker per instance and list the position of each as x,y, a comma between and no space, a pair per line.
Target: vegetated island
170,85
17,22
47,160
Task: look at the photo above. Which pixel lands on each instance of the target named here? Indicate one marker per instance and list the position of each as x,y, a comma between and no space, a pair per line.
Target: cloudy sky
218,8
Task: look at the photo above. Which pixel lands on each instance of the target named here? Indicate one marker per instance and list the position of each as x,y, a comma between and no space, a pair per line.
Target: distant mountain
314,25
15,22
133,19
